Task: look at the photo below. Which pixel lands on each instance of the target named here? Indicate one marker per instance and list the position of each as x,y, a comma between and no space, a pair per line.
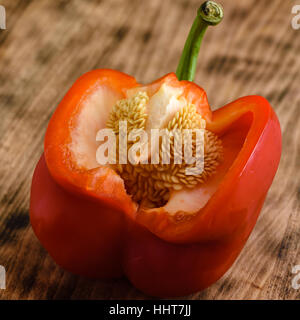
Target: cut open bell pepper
94,222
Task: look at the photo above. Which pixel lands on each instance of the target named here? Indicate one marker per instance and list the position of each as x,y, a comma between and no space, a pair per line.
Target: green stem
209,14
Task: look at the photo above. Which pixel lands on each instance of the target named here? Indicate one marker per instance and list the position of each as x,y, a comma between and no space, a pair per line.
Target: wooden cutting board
50,43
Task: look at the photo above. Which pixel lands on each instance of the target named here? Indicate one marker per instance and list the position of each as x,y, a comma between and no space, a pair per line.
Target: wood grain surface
50,43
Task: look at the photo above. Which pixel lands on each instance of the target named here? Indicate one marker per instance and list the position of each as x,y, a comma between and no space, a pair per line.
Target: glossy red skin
166,269
102,236
82,235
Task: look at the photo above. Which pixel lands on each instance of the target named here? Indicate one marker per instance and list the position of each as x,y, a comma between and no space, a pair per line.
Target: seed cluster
150,184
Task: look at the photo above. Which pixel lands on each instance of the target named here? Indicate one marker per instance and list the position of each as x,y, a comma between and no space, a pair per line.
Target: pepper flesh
90,226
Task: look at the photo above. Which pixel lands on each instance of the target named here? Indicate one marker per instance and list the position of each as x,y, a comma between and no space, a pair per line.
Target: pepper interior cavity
150,184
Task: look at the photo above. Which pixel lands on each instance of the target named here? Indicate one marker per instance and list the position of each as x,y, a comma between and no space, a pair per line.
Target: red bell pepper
89,224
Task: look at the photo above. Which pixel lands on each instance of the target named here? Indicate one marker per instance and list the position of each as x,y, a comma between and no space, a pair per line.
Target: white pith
94,112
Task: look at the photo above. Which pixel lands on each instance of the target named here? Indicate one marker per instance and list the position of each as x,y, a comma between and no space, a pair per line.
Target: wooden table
50,43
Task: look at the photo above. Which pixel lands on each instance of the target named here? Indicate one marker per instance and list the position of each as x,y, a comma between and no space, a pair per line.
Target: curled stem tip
209,14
